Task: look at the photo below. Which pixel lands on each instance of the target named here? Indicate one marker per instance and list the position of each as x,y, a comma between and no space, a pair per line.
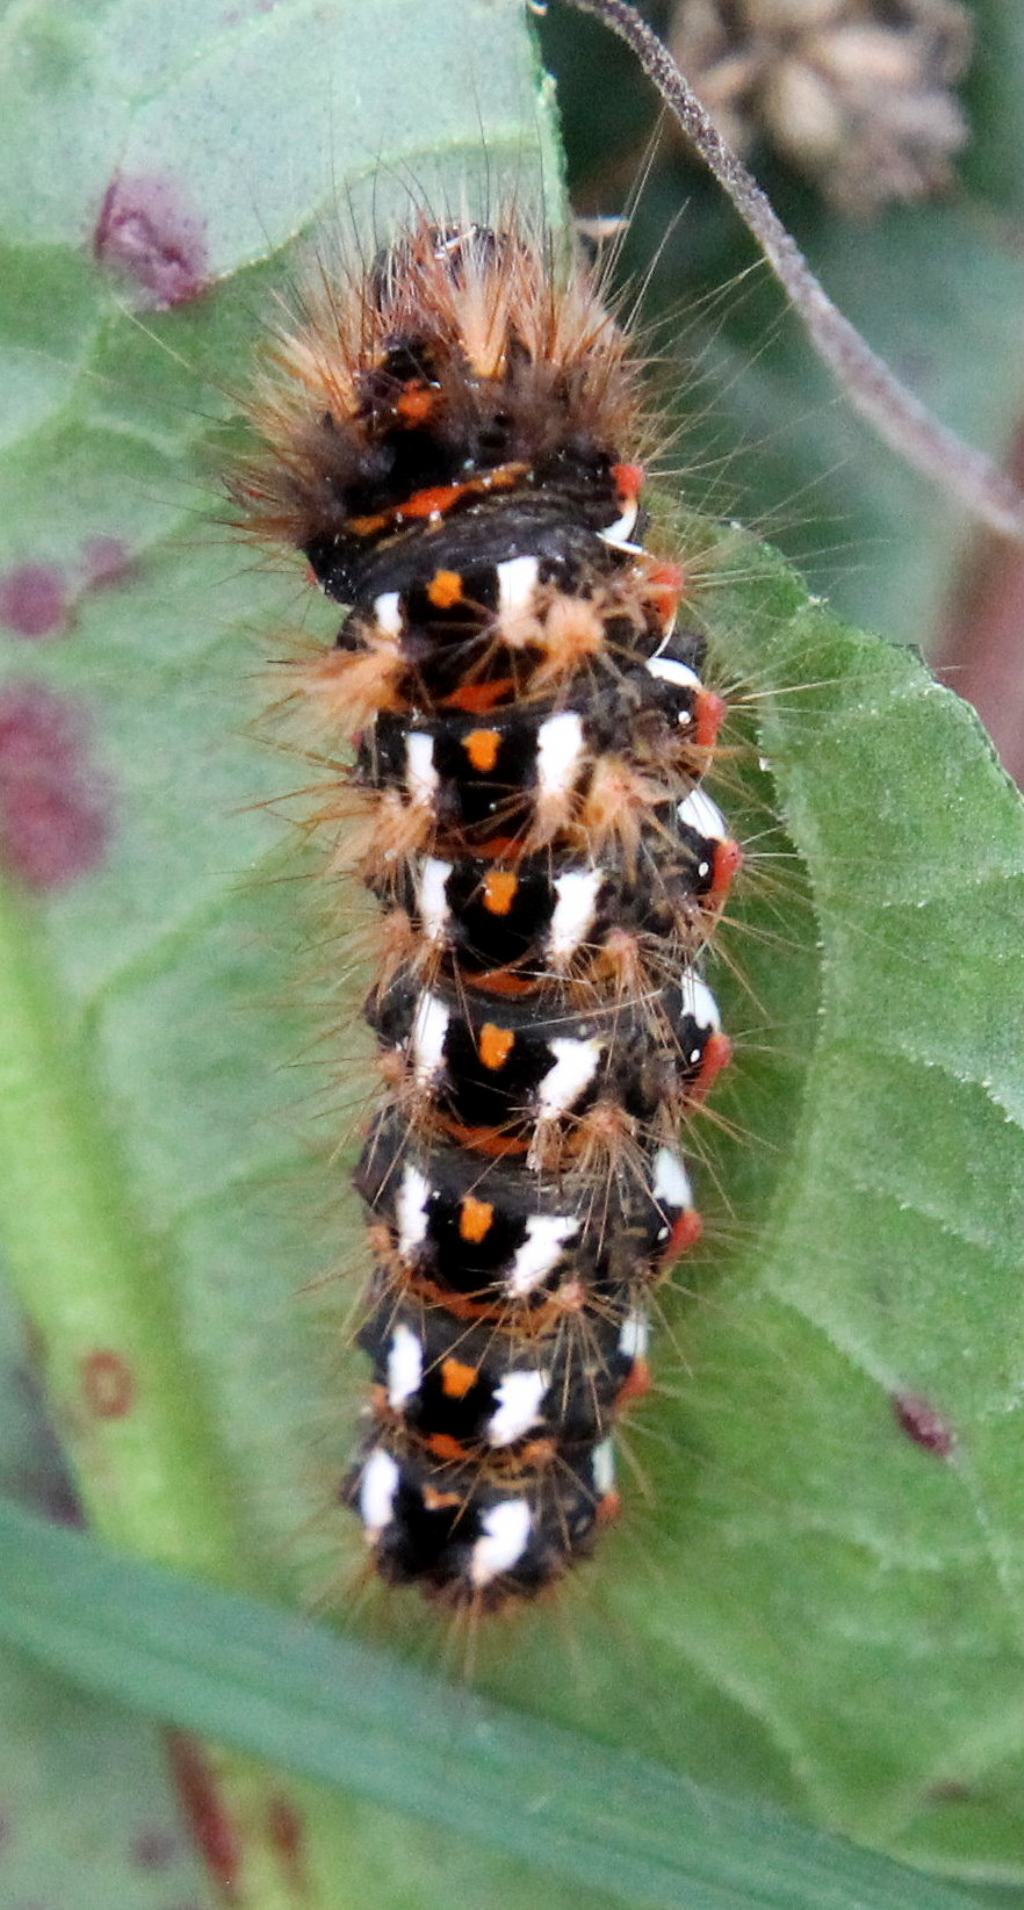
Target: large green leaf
804,1603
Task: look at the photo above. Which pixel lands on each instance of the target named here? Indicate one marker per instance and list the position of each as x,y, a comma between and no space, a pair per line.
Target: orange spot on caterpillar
500,886
492,1141
496,1044
108,1384
504,981
477,698
475,1219
482,747
436,499
445,1446
445,589
417,404
437,1501
457,1379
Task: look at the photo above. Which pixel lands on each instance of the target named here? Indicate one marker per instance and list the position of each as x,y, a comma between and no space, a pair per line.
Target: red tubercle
686,1231
710,712
717,1055
726,862
108,1384
637,1386
609,1506
665,586
629,481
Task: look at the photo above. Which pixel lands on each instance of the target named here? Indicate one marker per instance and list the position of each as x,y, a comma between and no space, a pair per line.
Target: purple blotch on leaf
924,1424
105,561
155,1848
148,228
54,805
33,600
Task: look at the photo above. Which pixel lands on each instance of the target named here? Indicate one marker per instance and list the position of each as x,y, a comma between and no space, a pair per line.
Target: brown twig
980,652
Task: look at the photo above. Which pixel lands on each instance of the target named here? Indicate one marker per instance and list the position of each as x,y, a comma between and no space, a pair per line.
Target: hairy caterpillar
448,438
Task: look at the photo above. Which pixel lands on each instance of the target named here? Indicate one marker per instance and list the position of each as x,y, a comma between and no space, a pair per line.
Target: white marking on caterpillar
604,1468
546,1235
411,1210
519,1396
405,1365
420,774
431,900
679,674
506,1535
377,1489
573,915
559,748
387,610
617,534
576,1063
699,812
670,671
671,1186
634,1336
429,1028
699,1002
517,581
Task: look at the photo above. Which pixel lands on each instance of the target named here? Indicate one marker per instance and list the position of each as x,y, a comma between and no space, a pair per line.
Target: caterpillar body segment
451,438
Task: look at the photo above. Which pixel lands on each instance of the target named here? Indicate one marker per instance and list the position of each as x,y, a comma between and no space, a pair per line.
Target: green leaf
329,1708
803,1605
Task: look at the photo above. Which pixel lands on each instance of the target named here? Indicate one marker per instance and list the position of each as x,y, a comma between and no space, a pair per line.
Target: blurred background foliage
937,286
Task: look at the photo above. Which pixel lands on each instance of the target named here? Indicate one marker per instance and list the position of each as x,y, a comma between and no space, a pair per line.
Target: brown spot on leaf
34,600
109,1385
286,1827
924,1424
212,1829
54,805
949,1790
148,229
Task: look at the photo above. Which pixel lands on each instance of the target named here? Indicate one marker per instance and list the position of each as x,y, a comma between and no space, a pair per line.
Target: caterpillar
452,437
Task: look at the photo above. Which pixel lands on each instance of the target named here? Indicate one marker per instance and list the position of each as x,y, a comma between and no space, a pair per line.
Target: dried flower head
856,93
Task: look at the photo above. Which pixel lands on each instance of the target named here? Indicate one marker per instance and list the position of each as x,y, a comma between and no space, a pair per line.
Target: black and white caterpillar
447,437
